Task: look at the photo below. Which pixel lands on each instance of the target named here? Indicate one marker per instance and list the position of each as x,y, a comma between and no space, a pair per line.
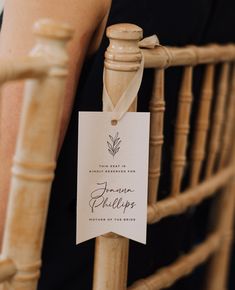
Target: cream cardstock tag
112,175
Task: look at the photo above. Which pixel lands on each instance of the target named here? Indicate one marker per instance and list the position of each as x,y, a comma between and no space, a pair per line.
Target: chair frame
34,161
122,59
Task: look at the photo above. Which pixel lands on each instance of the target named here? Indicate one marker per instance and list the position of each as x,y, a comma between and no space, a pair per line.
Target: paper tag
112,175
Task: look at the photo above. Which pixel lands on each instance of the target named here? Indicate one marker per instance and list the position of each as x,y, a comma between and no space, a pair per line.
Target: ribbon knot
149,42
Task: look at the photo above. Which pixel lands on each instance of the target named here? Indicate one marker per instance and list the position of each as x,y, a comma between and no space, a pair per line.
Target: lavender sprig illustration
113,146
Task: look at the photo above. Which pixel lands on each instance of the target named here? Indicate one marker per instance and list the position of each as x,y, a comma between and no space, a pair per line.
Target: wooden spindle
122,60
165,277
223,221
217,120
157,108
182,130
228,125
182,56
34,160
202,123
175,205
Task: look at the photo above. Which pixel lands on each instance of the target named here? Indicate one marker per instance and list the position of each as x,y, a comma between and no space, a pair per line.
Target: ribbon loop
131,91
127,97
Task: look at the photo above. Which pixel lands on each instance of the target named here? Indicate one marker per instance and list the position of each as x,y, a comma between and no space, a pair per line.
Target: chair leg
111,260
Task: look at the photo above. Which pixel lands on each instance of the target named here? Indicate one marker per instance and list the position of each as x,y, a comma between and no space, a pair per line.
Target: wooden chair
34,160
217,152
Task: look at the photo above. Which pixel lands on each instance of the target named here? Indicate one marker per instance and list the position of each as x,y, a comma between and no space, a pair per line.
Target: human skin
88,18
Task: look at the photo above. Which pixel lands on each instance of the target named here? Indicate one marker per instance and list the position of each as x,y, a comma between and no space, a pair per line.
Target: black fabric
177,23
1,15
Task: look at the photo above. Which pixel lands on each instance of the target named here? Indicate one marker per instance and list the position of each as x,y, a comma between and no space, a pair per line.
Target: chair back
202,162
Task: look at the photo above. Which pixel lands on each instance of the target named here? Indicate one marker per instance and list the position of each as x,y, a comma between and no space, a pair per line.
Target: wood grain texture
229,125
223,221
34,161
217,120
222,216
7,269
122,60
202,125
157,108
191,197
111,262
181,130
183,266
163,57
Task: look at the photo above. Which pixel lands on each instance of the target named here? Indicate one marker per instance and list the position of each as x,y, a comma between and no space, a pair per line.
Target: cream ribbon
129,95
149,42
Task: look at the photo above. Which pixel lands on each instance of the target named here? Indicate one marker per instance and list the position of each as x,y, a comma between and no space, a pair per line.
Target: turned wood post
34,160
182,128
122,60
222,220
157,109
202,125
218,120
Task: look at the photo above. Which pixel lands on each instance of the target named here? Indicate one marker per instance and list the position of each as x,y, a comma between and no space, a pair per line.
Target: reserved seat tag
112,175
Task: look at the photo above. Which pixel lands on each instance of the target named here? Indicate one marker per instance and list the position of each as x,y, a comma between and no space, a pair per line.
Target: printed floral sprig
113,146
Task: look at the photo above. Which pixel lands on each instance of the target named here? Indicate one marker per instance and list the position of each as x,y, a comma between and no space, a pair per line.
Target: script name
100,199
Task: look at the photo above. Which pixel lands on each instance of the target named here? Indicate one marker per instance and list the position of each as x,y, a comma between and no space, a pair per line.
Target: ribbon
129,95
149,42
126,98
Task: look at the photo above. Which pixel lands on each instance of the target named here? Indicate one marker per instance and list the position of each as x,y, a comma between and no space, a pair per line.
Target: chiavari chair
45,72
211,154
212,147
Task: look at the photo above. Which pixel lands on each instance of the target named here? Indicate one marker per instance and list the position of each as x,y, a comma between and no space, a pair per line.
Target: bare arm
87,17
